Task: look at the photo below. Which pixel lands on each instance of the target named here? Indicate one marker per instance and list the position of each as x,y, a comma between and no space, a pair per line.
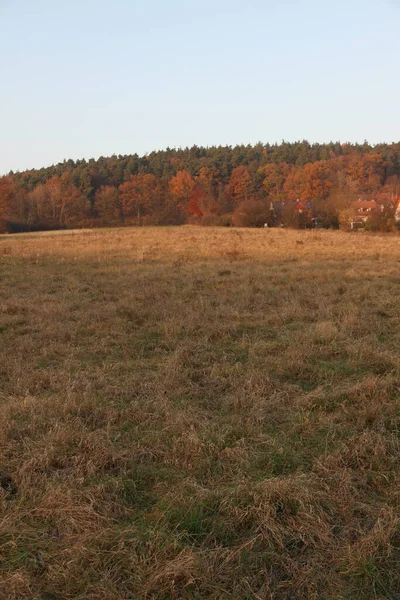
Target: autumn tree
328,210
6,189
109,206
308,183
57,203
383,219
195,202
202,202
240,186
181,187
274,177
138,195
54,193
390,192
293,186
315,180
365,173
75,209
40,210
19,209
208,178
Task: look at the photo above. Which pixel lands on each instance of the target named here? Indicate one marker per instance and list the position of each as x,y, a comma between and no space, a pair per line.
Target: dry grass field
198,414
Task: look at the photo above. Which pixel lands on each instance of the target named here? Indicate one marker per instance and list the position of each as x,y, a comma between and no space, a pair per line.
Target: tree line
209,186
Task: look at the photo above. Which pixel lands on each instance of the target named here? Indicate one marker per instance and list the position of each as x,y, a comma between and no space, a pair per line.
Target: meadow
198,413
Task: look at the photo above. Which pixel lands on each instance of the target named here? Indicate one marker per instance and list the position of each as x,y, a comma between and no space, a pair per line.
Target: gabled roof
365,204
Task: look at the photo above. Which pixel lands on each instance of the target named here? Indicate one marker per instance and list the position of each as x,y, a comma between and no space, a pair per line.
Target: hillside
200,185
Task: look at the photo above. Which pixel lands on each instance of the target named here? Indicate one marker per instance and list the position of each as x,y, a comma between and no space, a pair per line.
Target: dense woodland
209,186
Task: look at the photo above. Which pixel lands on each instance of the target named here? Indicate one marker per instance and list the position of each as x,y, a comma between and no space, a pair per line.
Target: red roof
300,205
365,207
365,204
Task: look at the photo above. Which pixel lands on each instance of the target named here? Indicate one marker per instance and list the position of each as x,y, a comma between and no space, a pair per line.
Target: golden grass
199,413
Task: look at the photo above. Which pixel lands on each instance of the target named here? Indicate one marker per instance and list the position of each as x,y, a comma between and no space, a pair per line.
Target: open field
199,414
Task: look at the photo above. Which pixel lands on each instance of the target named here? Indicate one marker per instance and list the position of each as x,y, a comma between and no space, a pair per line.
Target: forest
242,185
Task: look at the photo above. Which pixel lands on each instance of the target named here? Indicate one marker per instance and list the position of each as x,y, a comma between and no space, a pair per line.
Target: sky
90,78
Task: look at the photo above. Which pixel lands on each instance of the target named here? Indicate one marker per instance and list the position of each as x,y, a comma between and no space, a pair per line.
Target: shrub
251,213
216,221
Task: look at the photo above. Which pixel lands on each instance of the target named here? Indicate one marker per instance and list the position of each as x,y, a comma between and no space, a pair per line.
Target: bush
381,221
23,227
252,213
216,221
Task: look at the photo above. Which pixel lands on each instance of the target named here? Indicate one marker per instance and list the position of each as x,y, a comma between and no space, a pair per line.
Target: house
362,211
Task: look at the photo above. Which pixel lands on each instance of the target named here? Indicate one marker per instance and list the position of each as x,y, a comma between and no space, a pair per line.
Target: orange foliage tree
138,195
365,173
202,202
181,187
315,181
240,186
310,182
293,186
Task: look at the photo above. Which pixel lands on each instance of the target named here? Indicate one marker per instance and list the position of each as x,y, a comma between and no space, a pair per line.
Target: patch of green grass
200,521
372,579
275,463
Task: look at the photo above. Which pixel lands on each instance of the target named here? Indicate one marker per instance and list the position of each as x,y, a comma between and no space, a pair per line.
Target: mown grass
194,414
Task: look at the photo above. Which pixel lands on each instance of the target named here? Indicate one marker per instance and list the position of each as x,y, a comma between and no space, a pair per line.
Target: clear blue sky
84,78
